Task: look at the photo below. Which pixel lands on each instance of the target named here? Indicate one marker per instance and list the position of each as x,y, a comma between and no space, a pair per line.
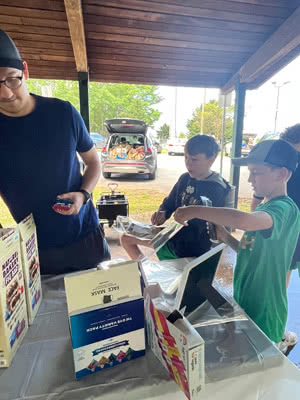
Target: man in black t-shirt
192,240
39,141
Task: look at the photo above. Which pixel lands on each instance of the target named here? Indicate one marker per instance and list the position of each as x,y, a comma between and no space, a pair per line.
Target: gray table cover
43,366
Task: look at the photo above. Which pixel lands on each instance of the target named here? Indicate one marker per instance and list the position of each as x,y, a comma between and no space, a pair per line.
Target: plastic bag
158,235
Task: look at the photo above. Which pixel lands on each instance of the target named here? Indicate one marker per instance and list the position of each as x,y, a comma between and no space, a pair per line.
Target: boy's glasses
12,82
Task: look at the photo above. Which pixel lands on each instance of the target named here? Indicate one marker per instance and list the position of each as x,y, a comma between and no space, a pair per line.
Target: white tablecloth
43,369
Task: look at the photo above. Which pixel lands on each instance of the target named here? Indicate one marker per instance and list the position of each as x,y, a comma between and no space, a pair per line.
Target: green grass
142,204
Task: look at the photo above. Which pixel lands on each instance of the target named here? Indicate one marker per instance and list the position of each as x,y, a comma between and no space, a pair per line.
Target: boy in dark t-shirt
193,240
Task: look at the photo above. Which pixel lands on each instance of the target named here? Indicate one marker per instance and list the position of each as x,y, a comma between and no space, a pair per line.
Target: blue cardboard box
106,318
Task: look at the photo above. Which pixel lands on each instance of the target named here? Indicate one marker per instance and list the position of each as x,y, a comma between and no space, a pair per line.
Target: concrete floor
225,274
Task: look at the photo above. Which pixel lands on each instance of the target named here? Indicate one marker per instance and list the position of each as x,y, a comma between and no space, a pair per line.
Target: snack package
106,317
31,266
13,312
178,346
62,205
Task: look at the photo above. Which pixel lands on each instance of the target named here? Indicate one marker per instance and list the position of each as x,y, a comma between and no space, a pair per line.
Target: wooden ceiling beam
276,48
76,27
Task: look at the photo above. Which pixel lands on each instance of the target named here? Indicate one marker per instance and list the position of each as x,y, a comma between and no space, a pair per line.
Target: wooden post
237,137
83,79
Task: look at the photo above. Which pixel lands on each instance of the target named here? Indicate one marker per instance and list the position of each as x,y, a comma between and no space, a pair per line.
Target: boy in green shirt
271,232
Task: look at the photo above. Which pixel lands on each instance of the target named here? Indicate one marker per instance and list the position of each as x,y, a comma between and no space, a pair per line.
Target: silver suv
129,149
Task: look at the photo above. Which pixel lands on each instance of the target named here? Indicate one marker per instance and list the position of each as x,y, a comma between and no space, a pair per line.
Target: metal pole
202,110
223,134
276,113
175,111
239,112
83,79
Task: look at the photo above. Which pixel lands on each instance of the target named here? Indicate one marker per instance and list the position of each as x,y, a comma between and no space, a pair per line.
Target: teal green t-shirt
264,258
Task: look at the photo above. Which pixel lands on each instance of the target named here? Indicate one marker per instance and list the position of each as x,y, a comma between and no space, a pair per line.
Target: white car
176,146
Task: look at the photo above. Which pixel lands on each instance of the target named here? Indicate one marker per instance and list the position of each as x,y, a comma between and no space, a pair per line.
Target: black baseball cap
9,54
275,152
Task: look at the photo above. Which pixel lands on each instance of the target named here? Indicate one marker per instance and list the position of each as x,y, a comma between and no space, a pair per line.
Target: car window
132,140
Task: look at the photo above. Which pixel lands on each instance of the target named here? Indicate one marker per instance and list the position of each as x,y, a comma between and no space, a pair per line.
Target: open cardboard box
106,317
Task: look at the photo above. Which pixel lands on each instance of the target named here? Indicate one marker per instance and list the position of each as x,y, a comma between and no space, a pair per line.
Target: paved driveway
169,170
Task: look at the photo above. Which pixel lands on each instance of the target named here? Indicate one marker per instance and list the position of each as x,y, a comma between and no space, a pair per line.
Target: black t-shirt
193,240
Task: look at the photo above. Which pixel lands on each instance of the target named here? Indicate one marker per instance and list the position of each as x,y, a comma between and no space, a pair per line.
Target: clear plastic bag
157,235
137,229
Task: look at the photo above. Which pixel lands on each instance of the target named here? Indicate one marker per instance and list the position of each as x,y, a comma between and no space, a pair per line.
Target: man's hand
77,198
158,218
184,214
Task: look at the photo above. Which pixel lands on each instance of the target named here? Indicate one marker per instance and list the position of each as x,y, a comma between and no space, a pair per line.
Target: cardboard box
179,348
31,266
106,317
13,312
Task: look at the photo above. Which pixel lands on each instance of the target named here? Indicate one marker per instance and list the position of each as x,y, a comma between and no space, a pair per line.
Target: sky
260,105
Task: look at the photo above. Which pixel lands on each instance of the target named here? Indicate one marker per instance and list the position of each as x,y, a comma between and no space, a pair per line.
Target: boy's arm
258,220
169,203
224,236
167,207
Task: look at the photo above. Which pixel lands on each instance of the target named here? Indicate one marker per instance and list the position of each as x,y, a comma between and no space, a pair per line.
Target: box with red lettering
13,312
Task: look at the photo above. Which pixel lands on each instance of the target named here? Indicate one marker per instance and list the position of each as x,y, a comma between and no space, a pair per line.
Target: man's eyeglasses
12,82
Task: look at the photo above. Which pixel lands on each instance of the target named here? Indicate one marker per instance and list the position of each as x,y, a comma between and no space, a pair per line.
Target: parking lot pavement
168,172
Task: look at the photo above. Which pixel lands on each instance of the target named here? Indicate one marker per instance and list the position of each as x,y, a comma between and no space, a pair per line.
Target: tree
163,133
212,121
107,100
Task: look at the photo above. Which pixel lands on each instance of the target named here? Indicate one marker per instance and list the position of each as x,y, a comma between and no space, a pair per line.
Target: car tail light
149,150
103,149
170,144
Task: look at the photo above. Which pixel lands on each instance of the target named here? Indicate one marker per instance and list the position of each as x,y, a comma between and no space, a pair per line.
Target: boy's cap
9,54
276,152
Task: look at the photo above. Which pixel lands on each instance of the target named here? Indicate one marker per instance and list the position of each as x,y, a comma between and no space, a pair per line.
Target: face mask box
178,346
31,266
13,310
106,317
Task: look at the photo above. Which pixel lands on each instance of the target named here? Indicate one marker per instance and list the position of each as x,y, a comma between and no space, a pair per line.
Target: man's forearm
91,176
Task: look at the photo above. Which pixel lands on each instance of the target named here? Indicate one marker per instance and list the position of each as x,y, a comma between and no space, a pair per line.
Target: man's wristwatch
87,195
